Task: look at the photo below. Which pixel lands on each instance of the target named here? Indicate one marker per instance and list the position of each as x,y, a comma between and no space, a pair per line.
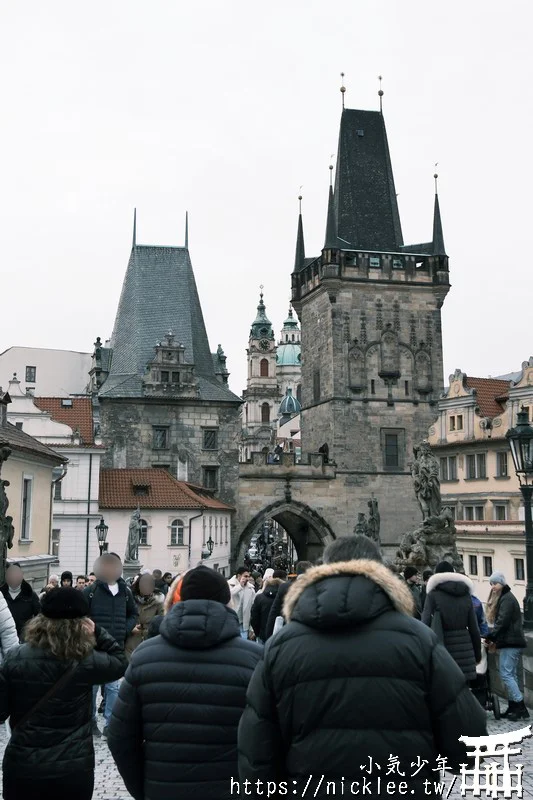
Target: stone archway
309,532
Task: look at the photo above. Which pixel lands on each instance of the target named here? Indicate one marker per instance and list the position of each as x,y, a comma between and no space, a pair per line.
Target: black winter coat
261,609
57,740
451,594
24,607
352,676
116,613
508,630
173,733
276,609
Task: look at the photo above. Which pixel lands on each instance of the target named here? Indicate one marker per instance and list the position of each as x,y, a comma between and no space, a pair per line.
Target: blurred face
14,577
146,585
80,583
167,578
108,569
244,578
53,581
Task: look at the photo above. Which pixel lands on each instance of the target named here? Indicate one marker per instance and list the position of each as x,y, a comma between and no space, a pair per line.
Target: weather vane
436,176
343,89
380,94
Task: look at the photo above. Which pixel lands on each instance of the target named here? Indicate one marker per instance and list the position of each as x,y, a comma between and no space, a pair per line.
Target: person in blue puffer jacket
480,615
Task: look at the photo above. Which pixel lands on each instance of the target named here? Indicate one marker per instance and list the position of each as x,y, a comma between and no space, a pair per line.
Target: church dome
289,355
289,405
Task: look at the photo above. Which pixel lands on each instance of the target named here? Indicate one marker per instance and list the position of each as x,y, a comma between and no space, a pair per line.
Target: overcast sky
225,109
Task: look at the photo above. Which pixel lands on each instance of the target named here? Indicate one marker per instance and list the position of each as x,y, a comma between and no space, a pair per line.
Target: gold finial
343,89
380,94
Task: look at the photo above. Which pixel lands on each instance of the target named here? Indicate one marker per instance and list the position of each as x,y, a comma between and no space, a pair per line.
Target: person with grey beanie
507,636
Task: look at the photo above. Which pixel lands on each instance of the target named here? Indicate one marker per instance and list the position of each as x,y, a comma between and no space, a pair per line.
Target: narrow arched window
265,413
263,367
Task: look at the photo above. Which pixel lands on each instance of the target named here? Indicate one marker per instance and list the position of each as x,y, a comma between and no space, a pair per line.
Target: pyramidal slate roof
366,209
159,295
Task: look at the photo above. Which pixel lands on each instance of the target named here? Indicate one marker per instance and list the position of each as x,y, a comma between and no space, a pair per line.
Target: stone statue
7,531
134,535
425,472
374,521
361,527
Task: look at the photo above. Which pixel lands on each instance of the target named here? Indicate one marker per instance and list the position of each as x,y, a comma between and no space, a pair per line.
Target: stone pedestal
433,541
131,568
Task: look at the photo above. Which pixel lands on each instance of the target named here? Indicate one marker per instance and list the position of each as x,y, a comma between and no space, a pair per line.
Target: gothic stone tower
161,395
371,332
261,396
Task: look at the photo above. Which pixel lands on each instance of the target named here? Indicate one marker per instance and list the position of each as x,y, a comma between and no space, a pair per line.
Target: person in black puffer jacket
450,593
353,677
261,608
112,607
173,733
20,598
51,754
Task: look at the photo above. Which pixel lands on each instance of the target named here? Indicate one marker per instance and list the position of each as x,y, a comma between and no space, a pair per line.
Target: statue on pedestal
134,536
361,528
425,472
7,531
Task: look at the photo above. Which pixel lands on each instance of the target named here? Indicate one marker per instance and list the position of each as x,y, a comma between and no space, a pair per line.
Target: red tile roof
117,490
79,415
489,394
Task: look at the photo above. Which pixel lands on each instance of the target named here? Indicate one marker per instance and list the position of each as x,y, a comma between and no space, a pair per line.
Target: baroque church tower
261,396
370,311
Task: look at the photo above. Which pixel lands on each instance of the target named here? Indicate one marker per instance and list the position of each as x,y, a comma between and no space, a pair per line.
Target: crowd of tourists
271,678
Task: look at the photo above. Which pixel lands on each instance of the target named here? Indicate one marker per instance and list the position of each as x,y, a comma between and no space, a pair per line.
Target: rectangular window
452,468
210,478
143,536
469,512
444,469
372,387
480,512
397,263
500,512
392,456
165,376
57,490
459,422
406,388
375,262
159,437
31,374
487,566
481,465
316,385
501,465
175,377
176,533
519,573
56,535
472,565
452,423
25,523
210,439
470,467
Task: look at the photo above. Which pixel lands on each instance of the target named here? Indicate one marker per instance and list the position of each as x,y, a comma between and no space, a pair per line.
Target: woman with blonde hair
45,690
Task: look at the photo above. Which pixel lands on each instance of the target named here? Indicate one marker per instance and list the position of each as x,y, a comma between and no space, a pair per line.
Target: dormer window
375,262
397,263
66,402
141,490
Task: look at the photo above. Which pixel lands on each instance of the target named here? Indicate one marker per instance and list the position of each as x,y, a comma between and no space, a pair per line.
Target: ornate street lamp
210,546
520,441
101,532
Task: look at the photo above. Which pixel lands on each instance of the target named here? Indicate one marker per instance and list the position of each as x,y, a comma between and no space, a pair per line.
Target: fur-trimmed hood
450,582
346,593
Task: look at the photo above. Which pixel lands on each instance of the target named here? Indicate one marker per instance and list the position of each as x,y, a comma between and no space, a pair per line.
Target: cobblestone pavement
109,786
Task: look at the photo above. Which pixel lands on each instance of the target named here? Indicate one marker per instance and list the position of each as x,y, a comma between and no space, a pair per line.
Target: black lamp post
521,443
101,532
210,545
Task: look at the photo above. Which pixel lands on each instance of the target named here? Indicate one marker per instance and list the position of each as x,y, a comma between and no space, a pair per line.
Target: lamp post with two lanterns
101,532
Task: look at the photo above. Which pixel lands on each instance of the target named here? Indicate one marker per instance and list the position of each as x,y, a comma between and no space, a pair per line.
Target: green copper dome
289,405
289,355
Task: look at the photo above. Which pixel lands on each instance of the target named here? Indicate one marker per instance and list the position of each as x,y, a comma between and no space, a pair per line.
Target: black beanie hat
409,572
64,603
444,566
203,583
66,576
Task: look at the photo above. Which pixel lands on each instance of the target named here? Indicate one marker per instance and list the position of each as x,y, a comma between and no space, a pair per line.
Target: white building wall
59,373
159,553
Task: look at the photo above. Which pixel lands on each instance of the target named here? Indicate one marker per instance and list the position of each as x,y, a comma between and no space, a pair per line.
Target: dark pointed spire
134,227
299,259
331,224
187,230
438,237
